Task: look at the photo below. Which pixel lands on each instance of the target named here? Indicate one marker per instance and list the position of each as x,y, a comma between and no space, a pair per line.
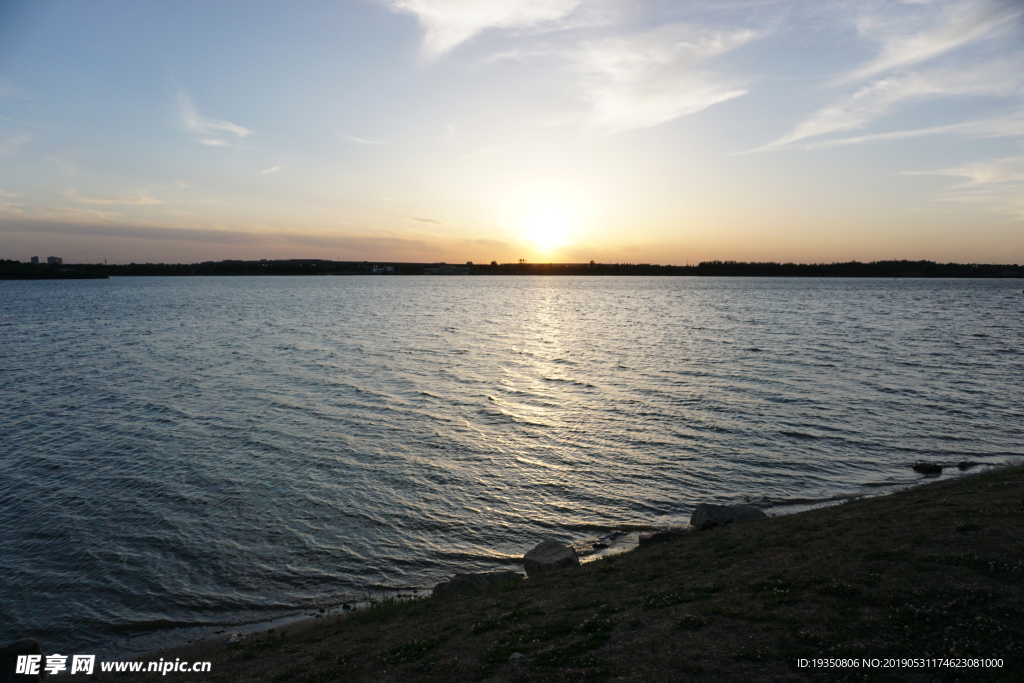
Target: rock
516,658
9,661
548,555
966,464
662,535
708,516
465,582
235,638
927,468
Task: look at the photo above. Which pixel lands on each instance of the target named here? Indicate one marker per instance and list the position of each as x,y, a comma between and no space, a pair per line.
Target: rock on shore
663,535
708,516
464,582
548,555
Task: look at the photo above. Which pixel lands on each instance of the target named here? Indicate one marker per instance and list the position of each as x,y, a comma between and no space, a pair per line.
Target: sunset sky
550,130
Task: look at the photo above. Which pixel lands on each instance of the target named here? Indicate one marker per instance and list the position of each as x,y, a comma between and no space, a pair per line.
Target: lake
180,455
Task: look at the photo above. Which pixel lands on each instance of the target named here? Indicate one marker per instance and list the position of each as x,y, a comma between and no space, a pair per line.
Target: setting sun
548,228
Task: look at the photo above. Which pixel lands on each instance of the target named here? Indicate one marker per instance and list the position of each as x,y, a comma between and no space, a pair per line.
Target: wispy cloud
482,152
9,145
79,222
995,184
30,124
642,80
66,166
70,213
272,169
362,141
449,23
881,97
952,26
141,199
1004,126
1010,169
427,220
206,130
910,35
9,195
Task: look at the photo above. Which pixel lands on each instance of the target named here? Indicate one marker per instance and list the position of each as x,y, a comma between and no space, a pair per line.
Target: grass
932,572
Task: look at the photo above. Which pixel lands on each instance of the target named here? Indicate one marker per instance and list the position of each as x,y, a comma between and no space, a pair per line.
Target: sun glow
549,228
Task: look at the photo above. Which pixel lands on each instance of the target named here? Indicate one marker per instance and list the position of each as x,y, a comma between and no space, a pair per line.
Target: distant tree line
759,269
921,269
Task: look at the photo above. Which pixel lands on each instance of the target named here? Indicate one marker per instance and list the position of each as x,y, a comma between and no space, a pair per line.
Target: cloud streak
996,184
1007,126
643,80
449,23
960,24
1010,169
480,153
208,131
140,200
881,97
8,146
371,246
921,34
362,141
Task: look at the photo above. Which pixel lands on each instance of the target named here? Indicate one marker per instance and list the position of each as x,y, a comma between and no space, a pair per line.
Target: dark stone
927,468
467,582
966,464
9,661
663,535
548,555
708,516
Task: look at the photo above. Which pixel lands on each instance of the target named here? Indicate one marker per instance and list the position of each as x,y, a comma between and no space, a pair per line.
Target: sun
548,229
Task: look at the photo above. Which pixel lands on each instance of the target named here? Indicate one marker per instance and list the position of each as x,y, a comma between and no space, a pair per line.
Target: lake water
182,453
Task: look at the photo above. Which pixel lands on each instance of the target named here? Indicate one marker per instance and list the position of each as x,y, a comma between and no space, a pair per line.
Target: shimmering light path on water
191,451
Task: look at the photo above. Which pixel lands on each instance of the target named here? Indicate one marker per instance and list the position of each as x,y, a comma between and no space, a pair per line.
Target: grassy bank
931,572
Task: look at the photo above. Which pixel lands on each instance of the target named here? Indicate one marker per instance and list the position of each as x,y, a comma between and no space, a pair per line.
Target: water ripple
187,453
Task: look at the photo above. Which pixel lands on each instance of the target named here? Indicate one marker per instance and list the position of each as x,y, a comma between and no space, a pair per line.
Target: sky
647,131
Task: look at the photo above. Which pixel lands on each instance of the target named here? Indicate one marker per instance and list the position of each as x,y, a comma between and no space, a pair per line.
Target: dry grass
932,572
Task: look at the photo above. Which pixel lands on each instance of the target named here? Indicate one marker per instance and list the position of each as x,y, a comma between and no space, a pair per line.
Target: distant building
35,259
54,260
383,270
445,269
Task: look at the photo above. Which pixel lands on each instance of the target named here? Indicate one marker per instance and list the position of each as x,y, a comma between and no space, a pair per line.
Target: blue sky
555,130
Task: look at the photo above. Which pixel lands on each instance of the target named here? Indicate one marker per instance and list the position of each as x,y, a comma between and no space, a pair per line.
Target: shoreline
924,571
304,621
303,267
